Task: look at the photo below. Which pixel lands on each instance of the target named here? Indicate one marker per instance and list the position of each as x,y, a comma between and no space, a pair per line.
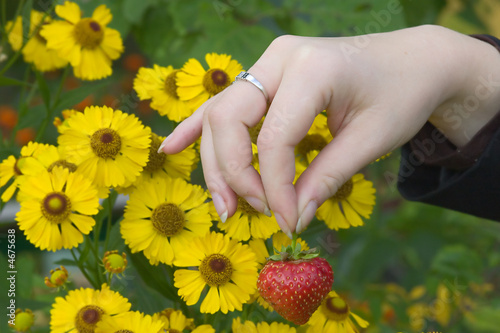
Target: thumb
330,174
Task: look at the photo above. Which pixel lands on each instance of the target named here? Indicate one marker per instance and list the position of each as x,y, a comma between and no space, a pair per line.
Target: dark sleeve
434,171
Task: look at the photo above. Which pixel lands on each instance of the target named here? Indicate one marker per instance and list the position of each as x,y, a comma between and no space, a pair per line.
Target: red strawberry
295,283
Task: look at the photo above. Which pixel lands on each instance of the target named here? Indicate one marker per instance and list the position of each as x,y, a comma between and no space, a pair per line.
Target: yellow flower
248,222
62,125
56,209
35,51
316,139
82,309
159,85
17,169
163,214
86,43
203,329
24,320
178,165
174,320
229,269
263,327
135,322
110,147
356,197
196,85
333,316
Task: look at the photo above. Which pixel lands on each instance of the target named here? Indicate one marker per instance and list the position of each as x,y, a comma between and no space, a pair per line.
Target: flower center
106,143
168,219
87,318
216,269
88,33
335,308
344,191
63,163
311,142
171,85
56,207
156,161
245,207
215,80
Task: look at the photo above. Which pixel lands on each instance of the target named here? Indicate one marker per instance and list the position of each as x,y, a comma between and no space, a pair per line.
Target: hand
377,91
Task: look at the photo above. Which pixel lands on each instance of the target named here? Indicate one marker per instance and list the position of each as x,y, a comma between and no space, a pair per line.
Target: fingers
289,118
355,146
228,157
185,133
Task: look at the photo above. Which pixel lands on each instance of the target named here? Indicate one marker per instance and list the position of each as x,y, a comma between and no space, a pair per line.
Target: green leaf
9,81
75,96
133,10
66,262
457,262
422,12
44,89
155,277
483,320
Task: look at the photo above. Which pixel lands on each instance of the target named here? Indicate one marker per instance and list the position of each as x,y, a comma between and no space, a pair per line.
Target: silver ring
245,76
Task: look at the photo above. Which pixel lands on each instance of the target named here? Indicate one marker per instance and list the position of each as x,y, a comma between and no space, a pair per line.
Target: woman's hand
378,91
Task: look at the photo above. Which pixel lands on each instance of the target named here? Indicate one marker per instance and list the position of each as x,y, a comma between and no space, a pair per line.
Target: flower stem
55,102
82,269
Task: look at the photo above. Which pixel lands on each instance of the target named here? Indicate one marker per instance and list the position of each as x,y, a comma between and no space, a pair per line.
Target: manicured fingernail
258,204
284,226
306,216
220,206
163,144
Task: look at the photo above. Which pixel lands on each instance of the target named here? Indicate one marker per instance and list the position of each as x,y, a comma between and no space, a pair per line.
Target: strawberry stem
294,241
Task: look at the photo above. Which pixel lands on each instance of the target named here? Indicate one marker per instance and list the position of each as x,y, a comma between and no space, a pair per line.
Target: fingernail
258,204
284,226
163,144
306,216
220,206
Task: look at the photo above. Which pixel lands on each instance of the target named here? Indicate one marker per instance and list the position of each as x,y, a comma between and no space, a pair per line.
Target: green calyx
293,252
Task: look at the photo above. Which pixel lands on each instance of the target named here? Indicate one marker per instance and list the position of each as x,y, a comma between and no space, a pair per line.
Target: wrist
476,100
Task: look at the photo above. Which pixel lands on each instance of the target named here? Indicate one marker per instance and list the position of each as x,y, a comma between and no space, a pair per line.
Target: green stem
50,111
82,269
294,241
111,203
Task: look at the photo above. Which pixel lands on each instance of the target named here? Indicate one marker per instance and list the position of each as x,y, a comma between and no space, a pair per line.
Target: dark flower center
56,207
344,191
88,33
156,161
309,143
216,269
106,143
335,308
215,80
245,207
87,318
63,163
171,85
168,219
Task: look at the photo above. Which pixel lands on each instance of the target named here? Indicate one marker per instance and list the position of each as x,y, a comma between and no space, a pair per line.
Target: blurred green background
394,268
